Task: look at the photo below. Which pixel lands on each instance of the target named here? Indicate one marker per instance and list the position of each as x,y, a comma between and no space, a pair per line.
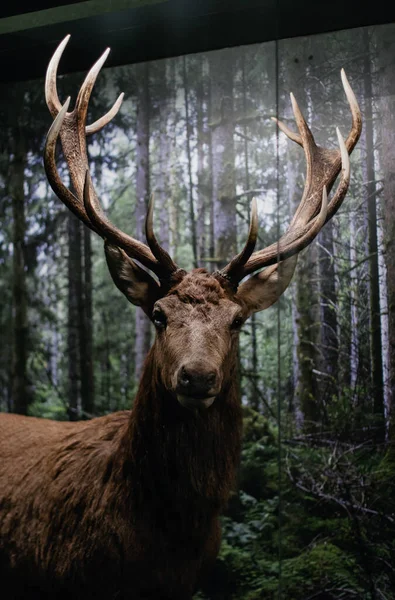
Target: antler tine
342,188
312,154
160,253
300,234
356,127
71,127
234,269
82,102
322,168
100,123
133,248
51,94
295,137
67,197
296,241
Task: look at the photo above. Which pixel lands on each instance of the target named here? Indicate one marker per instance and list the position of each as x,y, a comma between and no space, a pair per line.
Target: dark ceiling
9,9
139,30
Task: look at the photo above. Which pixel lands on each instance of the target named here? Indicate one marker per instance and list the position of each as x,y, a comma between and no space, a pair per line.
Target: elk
127,505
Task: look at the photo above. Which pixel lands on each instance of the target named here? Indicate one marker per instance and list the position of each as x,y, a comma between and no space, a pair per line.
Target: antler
72,129
323,167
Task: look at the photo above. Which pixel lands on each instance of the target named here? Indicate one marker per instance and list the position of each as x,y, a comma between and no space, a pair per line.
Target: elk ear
138,286
265,288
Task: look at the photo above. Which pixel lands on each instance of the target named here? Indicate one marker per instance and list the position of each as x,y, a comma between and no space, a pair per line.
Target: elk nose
196,382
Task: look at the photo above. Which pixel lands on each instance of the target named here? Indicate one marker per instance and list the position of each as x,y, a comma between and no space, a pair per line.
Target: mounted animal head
197,315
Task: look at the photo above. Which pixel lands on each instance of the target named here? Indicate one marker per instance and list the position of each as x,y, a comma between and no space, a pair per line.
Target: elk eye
159,319
237,323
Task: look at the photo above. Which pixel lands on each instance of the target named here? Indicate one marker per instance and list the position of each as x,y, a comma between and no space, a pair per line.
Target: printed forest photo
312,512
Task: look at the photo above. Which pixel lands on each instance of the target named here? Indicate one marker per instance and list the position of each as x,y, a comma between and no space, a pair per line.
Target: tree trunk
86,330
329,344
354,339
304,289
189,159
384,322
387,120
107,364
162,192
374,286
293,192
210,191
20,395
202,186
308,325
224,189
254,391
73,316
172,200
143,326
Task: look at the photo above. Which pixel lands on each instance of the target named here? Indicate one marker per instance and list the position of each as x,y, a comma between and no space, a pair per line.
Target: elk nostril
211,378
196,381
184,377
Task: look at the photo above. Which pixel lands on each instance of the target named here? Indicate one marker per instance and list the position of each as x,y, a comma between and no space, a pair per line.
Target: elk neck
177,457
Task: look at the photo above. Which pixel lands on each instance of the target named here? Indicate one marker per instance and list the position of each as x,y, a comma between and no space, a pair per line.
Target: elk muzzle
197,386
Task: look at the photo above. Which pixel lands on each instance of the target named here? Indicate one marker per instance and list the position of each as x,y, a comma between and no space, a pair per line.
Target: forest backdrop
314,514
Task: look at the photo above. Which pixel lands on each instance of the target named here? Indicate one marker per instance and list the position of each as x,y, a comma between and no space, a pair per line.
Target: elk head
197,316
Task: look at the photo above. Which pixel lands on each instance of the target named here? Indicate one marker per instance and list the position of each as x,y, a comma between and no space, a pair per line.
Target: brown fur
127,505
199,287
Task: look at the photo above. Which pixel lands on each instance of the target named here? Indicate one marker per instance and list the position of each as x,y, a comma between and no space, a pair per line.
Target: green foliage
313,540
48,406
323,567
